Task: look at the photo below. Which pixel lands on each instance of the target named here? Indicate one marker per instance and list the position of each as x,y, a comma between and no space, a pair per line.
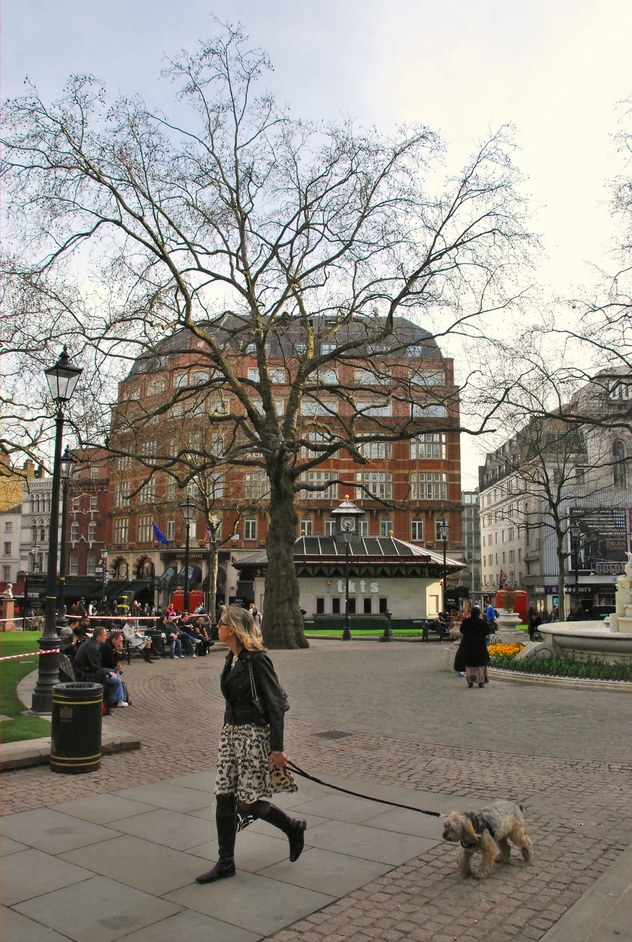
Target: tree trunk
282,618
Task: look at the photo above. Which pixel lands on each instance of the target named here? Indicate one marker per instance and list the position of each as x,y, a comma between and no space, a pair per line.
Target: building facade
174,424
565,490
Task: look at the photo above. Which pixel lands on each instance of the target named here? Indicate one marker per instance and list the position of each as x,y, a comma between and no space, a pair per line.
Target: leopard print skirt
243,765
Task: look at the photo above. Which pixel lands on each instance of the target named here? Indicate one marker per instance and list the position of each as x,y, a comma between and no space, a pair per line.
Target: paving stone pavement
388,719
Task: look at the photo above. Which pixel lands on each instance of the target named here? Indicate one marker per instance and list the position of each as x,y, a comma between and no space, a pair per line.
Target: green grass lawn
363,633
11,673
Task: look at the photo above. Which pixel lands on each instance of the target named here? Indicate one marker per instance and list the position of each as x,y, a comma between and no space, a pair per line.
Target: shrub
565,667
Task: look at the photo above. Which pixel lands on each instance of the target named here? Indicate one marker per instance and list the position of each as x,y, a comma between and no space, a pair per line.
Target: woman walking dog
251,761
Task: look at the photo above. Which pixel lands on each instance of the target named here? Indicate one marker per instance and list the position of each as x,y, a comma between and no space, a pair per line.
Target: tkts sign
602,541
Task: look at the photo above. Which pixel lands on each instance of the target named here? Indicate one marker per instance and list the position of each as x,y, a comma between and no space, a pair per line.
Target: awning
195,576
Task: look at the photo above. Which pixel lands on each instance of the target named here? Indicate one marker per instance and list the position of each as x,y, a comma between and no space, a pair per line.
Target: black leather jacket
235,685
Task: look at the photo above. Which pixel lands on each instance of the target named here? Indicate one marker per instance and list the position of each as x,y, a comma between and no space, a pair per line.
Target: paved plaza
113,855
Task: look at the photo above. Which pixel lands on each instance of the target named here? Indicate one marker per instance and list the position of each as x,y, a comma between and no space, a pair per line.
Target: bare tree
254,231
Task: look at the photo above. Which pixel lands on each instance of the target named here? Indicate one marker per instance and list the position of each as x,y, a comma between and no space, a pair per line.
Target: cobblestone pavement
389,713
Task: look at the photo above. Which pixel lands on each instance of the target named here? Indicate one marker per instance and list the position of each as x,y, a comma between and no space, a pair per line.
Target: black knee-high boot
293,827
226,821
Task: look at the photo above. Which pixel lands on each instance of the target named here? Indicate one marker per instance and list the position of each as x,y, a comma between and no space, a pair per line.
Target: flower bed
563,667
504,650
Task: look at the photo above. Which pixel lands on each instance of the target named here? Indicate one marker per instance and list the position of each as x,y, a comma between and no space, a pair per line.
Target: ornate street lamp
67,465
443,530
104,571
575,534
346,516
189,511
62,379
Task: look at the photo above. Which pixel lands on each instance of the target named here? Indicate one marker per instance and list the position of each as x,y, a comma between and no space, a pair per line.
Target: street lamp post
62,379
346,516
188,510
66,467
104,572
575,531
443,529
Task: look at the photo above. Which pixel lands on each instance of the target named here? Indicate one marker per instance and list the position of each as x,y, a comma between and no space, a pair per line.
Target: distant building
587,465
470,577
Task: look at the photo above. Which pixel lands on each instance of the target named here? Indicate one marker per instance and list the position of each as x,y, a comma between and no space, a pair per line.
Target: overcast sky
556,69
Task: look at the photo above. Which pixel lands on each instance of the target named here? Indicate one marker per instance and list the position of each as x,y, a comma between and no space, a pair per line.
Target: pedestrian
474,648
491,615
254,611
535,620
251,762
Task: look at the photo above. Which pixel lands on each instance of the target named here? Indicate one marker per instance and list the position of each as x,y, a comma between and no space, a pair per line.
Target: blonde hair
242,624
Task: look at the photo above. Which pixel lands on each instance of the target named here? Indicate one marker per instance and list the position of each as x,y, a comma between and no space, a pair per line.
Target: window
8,526
92,531
171,528
6,574
7,549
121,525
417,529
76,504
429,411
73,565
374,484
430,377
172,489
155,387
431,445
374,451
255,485
199,378
250,528
367,605
121,494
181,380
386,526
318,480
320,606
429,485
277,376
74,533
376,409
313,407
145,531
94,504
317,438
438,533
33,532
365,378
307,526
91,565
618,464
328,377
335,606
124,463
326,348
253,374
363,528
147,494
330,527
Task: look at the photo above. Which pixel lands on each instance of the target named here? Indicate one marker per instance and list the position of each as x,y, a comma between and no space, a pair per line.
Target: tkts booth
383,575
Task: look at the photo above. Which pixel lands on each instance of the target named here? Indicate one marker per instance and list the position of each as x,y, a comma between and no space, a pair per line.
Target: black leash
347,791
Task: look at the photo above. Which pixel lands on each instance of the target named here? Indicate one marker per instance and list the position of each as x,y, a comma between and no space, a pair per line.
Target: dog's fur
487,832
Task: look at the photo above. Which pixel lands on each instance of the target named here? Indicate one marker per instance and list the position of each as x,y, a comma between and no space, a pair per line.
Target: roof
406,338
329,549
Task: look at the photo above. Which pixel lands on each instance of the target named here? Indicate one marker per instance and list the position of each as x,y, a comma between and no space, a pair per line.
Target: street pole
188,510
346,634
443,529
62,379
66,467
104,572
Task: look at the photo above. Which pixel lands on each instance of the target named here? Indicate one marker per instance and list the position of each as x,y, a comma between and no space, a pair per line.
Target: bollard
388,631
75,745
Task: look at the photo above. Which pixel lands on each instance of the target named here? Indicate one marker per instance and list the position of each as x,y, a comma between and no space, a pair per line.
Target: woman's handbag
258,704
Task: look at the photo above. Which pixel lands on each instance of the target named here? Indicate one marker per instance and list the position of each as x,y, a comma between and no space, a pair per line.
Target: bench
428,625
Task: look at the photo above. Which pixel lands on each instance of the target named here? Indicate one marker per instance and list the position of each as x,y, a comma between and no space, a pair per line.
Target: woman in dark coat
474,648
251,761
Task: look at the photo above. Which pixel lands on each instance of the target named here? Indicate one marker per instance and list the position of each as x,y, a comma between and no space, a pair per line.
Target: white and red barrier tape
12,657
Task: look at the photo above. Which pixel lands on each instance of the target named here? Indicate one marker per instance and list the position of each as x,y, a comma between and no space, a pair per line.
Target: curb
574,683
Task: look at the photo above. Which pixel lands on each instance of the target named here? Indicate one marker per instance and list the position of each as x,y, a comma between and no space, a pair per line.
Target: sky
555,69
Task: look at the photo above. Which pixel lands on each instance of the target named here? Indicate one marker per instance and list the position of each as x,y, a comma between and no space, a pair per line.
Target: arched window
417,530
386,526
92,531
618,464
307,526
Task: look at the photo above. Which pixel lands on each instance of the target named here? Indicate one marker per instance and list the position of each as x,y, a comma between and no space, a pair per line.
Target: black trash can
75,745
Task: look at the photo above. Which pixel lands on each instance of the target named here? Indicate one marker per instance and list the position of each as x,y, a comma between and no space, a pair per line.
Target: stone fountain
610,640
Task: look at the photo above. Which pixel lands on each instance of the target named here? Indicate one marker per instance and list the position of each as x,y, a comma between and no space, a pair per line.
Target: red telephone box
196,597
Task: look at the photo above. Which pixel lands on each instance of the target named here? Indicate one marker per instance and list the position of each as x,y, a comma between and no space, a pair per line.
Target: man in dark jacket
89,667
